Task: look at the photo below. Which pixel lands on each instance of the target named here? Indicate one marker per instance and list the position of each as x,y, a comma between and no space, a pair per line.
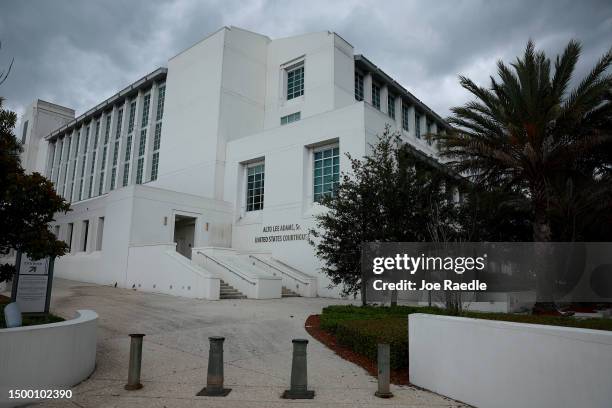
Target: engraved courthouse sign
281,233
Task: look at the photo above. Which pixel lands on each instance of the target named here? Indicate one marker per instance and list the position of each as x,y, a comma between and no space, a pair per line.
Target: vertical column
384,94
411,121
367,88
398,112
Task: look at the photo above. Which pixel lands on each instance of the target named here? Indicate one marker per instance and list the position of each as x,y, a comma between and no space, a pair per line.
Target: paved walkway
257,353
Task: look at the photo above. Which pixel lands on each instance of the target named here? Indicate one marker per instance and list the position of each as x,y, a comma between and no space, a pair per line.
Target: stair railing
280,270
221,264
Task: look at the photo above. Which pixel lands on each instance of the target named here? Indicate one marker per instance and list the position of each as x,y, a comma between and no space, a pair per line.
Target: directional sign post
32,284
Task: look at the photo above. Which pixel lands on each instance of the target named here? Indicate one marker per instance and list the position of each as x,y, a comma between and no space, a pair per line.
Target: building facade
206,175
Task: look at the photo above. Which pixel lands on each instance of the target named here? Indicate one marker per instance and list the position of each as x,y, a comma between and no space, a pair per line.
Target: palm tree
528,128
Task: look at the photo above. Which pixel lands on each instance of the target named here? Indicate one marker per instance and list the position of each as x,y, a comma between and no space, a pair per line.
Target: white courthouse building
202,179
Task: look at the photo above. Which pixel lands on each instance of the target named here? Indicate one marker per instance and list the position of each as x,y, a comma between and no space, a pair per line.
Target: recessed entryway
184,234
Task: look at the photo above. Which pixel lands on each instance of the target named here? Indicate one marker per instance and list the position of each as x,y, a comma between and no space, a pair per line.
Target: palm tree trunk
542,235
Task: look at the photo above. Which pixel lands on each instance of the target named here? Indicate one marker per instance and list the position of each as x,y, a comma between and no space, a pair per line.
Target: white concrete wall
188,154
502,364
47,356
160,269
288,197
135,215
239,272
43,118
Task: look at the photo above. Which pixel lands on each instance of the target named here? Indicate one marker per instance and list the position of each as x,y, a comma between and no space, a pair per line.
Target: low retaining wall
47,356
502,364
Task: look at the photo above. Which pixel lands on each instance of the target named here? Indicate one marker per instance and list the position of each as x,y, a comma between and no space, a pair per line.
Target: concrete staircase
288,293
228,292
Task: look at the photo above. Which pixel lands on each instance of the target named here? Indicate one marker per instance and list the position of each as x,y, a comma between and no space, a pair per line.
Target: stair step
288,293
227,291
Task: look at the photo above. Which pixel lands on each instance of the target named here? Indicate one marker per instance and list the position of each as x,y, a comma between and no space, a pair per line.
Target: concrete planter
47,356
503,364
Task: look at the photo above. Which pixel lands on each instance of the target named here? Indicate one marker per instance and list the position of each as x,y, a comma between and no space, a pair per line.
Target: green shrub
361,328
363,337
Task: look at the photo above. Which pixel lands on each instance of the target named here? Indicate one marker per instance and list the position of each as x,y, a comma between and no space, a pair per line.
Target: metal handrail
278,269
241,276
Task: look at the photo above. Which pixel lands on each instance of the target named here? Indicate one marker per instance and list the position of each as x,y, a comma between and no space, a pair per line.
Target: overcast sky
78,53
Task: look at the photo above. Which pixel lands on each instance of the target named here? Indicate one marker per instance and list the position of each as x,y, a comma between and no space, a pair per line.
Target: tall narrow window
417,125
429,132
145,110
75,156
405,116
83,161
104,153
93,158
160,103
142,142
128,145
66,161
295,81
158,129
69,236
141,151
24,134
113,182
358,86
84,234
376,95
155,157
255,186
391,106
100,234
326,168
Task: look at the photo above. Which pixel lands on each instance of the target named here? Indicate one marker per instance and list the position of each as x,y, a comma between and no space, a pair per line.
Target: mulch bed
313,327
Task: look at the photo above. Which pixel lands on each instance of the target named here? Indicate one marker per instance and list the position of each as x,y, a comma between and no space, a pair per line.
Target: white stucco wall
502,364
47,356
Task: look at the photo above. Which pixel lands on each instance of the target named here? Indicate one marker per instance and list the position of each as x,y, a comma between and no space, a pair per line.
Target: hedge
361,328
363,337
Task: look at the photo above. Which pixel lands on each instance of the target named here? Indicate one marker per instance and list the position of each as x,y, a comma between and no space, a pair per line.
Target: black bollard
214,380
384,371
135,362
299,373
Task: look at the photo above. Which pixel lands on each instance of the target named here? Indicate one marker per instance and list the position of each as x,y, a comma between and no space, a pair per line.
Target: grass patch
27,320
362,327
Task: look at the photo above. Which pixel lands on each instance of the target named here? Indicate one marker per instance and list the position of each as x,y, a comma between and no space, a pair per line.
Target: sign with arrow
32,284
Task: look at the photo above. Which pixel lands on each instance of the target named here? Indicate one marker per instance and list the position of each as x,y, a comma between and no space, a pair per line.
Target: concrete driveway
257,353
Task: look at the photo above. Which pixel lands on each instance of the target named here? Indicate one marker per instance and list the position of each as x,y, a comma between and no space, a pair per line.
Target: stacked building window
429,132
65,162
104,153
326,172
83,161
376,96
358,86
391,106
93,158
255,186
113,183
417,125
143,138
128,144
295,81
405,116
75,157
158,128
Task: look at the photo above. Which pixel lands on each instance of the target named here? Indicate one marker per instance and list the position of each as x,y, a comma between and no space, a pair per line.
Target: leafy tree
387,196
27,203
528,133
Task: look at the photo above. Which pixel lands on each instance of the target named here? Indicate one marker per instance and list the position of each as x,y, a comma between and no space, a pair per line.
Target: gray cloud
77,53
